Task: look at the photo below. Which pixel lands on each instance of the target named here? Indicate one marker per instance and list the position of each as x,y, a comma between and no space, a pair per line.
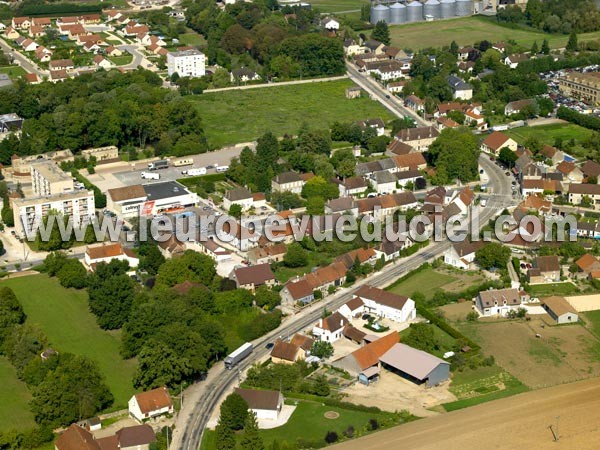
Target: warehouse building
416,365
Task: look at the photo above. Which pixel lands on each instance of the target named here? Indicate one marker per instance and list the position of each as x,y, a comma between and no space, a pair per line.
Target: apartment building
186,63
48,179
583,86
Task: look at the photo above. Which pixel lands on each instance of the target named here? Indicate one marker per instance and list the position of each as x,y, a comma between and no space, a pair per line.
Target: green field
13,71
192,38
542,290
337,6
14,398
429,281
468,30
592,319
549,133
64,316
236,116
309,424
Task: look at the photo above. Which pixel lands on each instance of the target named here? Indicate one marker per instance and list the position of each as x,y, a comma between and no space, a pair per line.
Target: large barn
416,365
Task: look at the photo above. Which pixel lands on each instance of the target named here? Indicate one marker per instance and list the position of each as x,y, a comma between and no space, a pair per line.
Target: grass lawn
14,399
338,5
122,60
592,319
190,37
542,290
236,116
13,72
64,316
468,30
309,424
549,133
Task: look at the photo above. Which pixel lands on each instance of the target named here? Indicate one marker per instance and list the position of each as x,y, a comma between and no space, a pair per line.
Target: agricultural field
281,109
338,6
548,134
14,399
468,30
430,280
561,354
64,317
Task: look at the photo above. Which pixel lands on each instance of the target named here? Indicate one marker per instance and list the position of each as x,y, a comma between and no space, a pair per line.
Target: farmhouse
416,365
577,192
265,404
384,304
560,309
498,302
252,277
418,138
106,252
150,404
365,360
548,266
331,328
588,263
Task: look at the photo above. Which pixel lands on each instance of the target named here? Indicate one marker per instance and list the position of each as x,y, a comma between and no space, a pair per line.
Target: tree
225,437
545,47
344,162
267,151
296,256
235,210
507,156
534,48
150,258
234,412
250,439
111,293
454,154
331,437
318,187
160,365
421,337
11,311
315,206
572,44
381,33
322,349
493,255
72,274
454,48
191,266
266,298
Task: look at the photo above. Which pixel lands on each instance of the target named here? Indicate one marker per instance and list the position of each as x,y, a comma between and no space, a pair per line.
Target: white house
460,89
106,252
331,328
498,302
397,308
266,405
462,254
146,405
238,196
352,308
287,182
383,182
330,24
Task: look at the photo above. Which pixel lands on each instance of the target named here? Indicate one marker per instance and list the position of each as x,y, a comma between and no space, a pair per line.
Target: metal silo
380,12
464,7
414,12
448,8
397,13
433,9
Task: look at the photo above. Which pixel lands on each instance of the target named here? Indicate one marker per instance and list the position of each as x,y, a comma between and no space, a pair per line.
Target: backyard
468,30
547,289
14,399
64,317
548,134
13,72
281,109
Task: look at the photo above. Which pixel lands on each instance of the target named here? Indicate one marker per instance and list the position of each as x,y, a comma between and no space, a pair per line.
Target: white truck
160,164
237,355
194,171
222,168
150,176
183,162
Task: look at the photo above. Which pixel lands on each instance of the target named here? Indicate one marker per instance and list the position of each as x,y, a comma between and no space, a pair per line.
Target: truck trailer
194,171
237,355
161,164
183,162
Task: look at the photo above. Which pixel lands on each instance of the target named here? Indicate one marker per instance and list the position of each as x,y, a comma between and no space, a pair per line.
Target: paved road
138,58
391,102
518,422
204,397
283,83
22,60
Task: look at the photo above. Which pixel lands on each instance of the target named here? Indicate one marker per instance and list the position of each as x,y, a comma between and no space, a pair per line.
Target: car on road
210,166
269,346
507,173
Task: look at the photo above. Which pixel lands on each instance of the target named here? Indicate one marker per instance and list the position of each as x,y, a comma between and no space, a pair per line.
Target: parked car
269,345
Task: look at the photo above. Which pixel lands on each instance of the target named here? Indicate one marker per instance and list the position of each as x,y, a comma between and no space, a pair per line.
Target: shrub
331,437
373,425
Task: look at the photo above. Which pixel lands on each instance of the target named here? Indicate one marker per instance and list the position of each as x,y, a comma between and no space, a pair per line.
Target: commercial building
186,63
28,212
583,86
150,199
48,179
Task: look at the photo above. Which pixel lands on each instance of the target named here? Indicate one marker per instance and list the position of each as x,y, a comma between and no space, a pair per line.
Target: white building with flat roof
186,63
49,179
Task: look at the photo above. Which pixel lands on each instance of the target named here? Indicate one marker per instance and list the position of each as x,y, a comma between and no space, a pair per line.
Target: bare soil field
561,354
521,421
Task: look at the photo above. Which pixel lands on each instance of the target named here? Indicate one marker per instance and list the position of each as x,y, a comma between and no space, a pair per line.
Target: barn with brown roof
367,356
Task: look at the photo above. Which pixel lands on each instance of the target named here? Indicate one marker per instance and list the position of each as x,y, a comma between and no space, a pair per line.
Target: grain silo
379,13
397,13
448,8
464,7
432,8
414,12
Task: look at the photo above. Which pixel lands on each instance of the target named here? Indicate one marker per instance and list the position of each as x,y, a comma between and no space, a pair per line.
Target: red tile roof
153,400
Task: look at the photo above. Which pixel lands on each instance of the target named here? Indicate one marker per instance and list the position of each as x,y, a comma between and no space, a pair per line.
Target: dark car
365,317
269,346
507,173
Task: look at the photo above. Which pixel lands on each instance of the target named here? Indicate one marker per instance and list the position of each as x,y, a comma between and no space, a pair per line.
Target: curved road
191,422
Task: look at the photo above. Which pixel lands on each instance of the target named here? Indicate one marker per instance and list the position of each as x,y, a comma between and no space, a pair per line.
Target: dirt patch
394,393
561,354
331,415
456,312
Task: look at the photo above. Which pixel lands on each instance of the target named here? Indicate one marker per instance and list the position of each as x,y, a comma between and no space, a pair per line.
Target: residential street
21,60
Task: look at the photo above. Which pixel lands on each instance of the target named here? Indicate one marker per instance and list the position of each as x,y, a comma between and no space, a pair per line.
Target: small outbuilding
416,365
560,309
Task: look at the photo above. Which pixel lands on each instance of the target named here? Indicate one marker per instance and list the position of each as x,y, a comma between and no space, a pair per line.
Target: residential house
385,69
29,45
386,305
500,47
513,61
331,328
331,276
61,64
588,229
374,46
58,75
343,205
560,310
391,250
32,78
243,75
101,62
516,106
460,89
571,173
149,404
362,255
266,405
498,302
43,54
150,39
75,437
545,269
11,34
287,182
330,24
398,148
464,53
579,192
419,138
591,169
351,48
587,264
171,247
41,22
465,66
396,87
20,23
352,308
67,20
383,182
90,19
415,103
238,196
353,186
111,50
410,161
287,353
215,251
267,254
474,119
365,360
541,186
444,122
251,277
555,155
303,341
297,292
386,205
403,178
462,254
496,141
377,124
36,31
106,252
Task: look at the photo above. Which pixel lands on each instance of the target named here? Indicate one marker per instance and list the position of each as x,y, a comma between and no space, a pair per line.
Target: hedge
99,197
584,120
58,9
